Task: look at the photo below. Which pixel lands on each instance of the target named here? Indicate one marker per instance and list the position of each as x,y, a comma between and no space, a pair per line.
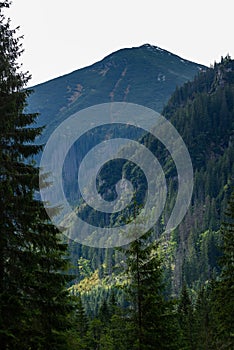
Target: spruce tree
77,334
34,302
223,305
186,320
203,321
152,324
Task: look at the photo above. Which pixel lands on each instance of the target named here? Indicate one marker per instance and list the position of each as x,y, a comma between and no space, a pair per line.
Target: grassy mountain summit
145,75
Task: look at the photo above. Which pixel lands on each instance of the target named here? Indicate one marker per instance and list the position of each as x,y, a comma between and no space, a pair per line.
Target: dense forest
202,111
162,291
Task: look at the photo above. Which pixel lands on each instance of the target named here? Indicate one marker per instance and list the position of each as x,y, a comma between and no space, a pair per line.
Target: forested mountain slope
203,113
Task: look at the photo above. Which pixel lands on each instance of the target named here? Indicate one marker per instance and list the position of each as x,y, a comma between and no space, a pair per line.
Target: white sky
62,36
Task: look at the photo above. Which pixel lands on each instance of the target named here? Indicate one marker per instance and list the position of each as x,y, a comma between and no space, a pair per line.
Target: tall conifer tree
33,299
152,322
224,290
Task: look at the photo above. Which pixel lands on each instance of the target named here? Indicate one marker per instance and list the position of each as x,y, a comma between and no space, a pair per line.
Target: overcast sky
62,36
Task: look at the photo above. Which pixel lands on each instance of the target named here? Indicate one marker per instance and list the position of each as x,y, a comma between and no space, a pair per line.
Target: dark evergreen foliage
34,302
223,298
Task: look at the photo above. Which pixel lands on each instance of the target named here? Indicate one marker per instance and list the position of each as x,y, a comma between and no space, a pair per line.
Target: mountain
145,75
199,102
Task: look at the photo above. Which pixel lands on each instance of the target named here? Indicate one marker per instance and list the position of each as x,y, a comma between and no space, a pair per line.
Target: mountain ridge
108,56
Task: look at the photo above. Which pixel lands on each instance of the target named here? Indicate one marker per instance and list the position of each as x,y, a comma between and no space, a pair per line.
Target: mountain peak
153,48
